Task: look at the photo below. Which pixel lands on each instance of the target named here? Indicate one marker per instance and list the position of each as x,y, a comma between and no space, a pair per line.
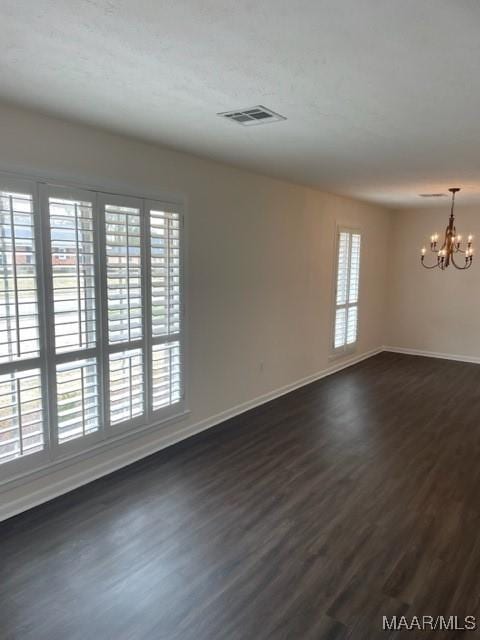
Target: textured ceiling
382,96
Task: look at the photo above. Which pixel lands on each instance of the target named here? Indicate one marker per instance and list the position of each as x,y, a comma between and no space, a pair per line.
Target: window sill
343,353
14,479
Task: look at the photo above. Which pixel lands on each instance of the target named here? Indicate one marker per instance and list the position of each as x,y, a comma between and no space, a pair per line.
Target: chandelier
452,245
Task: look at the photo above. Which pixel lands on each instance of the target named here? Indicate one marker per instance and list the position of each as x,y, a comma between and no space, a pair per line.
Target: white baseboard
433,354
69,479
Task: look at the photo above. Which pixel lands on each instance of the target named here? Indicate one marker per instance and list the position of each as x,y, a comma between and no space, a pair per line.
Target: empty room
239,320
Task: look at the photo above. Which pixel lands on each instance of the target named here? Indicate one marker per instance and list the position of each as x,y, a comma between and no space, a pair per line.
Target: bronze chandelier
452,245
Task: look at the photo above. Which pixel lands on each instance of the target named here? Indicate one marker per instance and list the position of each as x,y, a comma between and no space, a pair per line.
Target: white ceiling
382,96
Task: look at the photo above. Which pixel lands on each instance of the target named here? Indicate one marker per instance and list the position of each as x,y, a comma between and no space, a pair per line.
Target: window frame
107,435
346,349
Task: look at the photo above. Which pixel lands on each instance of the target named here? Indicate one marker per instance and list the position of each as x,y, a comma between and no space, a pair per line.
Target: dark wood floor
308,518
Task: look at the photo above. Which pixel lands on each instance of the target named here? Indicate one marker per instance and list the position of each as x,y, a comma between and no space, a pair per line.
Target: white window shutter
22,428
124,273
345,333
19,319
90,318
165,232
73,274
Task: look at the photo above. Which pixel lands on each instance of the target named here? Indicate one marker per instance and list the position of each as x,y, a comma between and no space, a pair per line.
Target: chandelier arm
434,266
467,264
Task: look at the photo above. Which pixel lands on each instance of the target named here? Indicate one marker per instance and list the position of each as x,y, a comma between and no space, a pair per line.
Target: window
91,329
346,291
21,402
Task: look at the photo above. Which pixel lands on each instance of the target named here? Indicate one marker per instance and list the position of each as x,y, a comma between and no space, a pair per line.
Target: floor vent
252,116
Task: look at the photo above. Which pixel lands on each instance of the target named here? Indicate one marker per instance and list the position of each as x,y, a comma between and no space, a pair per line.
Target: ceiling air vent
252,116
432,195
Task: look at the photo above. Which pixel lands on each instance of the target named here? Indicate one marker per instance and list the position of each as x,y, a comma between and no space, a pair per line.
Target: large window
90,319
345,332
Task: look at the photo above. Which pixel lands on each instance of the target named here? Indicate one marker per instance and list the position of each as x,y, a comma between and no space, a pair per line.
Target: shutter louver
342,268
165,272
340,326
166,374
73,274
21,414
352,325
124,288
77,399
126,385
354,269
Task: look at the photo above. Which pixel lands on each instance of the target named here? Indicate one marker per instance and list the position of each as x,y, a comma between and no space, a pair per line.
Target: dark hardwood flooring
308,518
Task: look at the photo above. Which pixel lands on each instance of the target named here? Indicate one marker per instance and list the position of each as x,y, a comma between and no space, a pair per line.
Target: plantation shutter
22,428
165,283
347,287
73,297
90,319
124,309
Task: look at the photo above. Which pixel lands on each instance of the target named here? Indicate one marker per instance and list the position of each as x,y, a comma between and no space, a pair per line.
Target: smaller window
345,332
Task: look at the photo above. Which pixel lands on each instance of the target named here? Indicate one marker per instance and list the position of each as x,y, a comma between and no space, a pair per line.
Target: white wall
434,311
260,261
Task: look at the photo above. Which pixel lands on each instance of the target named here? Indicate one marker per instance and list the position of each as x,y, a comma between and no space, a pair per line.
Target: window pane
124,273
342,267
77,399
21,414
354,268
352,325
126,385
166,378
165,272
19,325
73,271
340,326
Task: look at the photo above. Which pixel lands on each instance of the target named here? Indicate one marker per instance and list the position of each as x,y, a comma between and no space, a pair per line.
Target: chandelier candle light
452,245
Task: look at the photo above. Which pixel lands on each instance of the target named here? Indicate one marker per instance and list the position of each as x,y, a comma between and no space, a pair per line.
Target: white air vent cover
252,116
432,195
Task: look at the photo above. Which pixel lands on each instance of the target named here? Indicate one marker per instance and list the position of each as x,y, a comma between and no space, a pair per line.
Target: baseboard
70,479
433,354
